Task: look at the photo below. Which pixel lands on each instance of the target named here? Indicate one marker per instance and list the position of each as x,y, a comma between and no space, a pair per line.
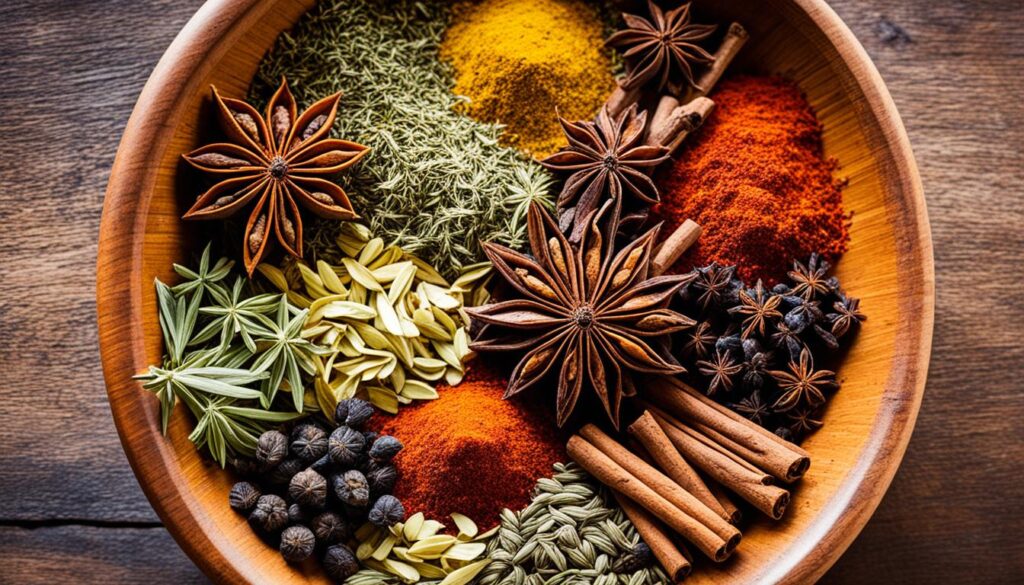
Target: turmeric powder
520,61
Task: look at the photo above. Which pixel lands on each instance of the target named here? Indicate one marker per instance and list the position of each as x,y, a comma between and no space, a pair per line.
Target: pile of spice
471,452
520,61
435,182
755,178
755,347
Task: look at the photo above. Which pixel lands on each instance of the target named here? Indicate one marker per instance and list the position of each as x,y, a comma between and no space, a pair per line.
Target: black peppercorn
322,465
297,543
385,448
309,442
340,563
352,488
308,488
357,412
330,528
270,514
345,446
381,478
271,449
387,510
636,559
297,515
245,466
282,474
243,496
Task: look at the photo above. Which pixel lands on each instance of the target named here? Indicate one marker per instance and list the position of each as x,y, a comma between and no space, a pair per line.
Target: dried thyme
436,182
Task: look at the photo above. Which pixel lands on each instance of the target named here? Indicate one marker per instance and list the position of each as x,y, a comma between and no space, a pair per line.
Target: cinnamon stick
653,438
620,99
610,473
733,41
745,480
659,482
761,447
668,554
674,246
671,130
724,500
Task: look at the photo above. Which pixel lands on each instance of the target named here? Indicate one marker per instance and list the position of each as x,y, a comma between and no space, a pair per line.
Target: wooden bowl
889,266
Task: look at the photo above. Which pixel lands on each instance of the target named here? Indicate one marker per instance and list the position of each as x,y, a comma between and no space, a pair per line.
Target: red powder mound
756,180
471,452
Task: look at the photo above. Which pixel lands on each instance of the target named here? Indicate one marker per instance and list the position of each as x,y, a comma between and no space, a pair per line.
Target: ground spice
520,61
756,179
471,452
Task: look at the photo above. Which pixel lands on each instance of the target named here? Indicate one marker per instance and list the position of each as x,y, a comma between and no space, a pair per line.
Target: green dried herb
436,182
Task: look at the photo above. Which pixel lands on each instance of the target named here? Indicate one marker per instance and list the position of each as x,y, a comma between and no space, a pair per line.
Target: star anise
715,284
753,408
847,315
605,158
758,307
273,162
594,312
804,420
700,340
811,279
662,47
786,338
802,385
721,370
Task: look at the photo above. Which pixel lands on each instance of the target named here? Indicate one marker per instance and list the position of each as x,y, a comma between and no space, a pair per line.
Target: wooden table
70,509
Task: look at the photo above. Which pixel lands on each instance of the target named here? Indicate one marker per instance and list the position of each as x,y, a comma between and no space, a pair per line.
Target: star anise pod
753,408
846,316
786,338
758,307
802,385
811,279
700,340
721,370
662,47
605,158
804,420
274,162
595,313
714,283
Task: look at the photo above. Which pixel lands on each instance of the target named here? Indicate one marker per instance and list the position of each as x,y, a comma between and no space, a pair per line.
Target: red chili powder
755,178
471,452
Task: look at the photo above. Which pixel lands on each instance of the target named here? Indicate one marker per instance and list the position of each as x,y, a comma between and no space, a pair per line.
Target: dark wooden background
70,508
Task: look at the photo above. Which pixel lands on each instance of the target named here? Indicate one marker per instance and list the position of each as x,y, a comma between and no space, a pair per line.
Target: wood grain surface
70,508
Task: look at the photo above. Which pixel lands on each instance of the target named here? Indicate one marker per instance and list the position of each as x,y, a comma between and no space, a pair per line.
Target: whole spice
270,514
385,448
520,61
345,446
387,510
662,49
243,496
470,451
271,449
755,178
309,442
340,563
274,162
588,308
436,182
352,489
330,528
604,159
297,543
309,489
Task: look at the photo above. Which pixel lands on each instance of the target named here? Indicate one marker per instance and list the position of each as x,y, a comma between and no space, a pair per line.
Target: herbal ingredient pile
473,179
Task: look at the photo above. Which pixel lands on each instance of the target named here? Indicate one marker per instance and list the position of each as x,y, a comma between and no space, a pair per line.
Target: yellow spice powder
519,61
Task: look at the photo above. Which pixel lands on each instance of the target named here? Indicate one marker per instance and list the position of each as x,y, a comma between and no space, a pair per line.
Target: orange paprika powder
471,452
755,178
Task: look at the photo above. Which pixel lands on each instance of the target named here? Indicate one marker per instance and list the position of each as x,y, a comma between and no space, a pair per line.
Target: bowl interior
888,267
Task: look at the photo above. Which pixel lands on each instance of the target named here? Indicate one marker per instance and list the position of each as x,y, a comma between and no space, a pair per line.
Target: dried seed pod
358,413
270,514
309,442
283,473
387,510
297,543
271,449
352,488
322,465
309,489
247,123
385,448
345,446
340,563
313,126
297,514
634,560
243,496
330,528
382,478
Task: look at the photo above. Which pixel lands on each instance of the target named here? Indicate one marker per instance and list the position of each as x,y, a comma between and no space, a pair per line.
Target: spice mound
757,181
471,452
520,61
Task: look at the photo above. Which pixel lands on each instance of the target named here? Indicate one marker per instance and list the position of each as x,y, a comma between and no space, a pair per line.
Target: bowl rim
119,307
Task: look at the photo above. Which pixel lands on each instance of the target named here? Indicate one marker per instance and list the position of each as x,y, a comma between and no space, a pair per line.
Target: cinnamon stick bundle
733,511
674,561
611,473
743,478
757,445
653,438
